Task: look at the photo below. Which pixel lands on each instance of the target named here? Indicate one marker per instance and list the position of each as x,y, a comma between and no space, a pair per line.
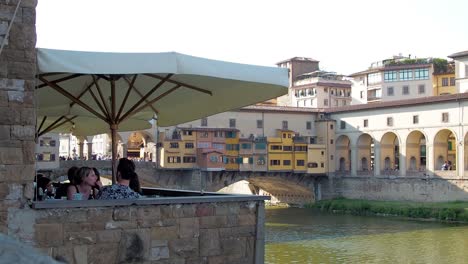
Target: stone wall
397,189
17,107
218,232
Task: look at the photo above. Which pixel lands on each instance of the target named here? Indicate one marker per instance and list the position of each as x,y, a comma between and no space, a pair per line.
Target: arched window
387,163
412,163
342,164
364,165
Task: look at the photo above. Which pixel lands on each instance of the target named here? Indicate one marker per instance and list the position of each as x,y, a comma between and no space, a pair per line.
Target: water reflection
296,235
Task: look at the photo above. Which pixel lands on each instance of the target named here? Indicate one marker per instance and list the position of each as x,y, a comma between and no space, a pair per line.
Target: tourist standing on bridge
121,190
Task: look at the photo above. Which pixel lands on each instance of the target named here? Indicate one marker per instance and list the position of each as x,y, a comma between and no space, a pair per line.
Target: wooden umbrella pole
113,128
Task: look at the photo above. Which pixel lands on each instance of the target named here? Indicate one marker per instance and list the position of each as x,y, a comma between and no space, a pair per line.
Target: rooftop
459,54
400,103
297,59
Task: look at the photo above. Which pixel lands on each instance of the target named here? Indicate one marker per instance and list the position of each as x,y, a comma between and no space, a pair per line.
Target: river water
295,235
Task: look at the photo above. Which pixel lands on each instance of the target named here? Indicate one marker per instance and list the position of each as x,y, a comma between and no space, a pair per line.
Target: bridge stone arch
286,187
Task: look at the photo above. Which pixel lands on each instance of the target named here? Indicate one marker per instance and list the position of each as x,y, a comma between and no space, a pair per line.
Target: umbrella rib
42,123
113,114
130,85
59,89
131,110
47,129
151,102
106,111
58,125
69,77
182,84
82,93
99,104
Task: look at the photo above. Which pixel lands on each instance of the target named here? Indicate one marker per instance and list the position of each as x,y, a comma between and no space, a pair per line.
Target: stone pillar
403,158
18,112
124,150
460,159
90,149
377,160
354,163
81,149
430,159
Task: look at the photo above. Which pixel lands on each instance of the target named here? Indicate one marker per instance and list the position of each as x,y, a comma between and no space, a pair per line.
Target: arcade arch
141,146
365,153
343,153
416,151
445,149
390,151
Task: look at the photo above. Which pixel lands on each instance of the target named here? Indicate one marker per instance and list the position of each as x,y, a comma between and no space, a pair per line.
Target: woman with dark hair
82,187
63,188
126,176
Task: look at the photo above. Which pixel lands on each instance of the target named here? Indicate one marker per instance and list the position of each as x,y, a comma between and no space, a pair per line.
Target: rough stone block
11,144
232,220
148,213
81,238
124,214
3,94
209,242
10,115
11,156
15,191
248,208
164,233
24,70
213,221
19,173
23,132
15,97
101,215
63,254
189,227
80,254
29,154
166,211
184,210
112,236
48,235
96,256
243,231
234,247
186,248
121,225
28,116
204,210
12,84
157,253
246,219
227,209
134,246
4,132
159,243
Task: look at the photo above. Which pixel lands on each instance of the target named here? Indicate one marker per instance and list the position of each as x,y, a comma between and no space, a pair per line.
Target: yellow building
443,81
280,151
232,158
178,150
300,153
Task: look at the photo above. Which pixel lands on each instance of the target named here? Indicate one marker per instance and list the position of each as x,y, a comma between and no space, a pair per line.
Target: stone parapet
170,232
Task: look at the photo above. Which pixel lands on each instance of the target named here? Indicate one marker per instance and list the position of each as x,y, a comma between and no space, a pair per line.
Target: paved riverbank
445,211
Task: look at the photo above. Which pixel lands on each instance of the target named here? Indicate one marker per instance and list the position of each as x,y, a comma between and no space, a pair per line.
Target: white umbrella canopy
177,88
84,125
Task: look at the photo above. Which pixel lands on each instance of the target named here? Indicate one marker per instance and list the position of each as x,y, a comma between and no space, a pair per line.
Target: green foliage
447,211
440,65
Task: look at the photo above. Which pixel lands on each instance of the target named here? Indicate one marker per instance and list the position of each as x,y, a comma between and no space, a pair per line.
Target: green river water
295,235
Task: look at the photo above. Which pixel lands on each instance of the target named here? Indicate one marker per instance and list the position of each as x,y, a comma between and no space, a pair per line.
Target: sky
346,36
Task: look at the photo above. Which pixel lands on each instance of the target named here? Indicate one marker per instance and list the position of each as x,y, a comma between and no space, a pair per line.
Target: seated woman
84,182
121,190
